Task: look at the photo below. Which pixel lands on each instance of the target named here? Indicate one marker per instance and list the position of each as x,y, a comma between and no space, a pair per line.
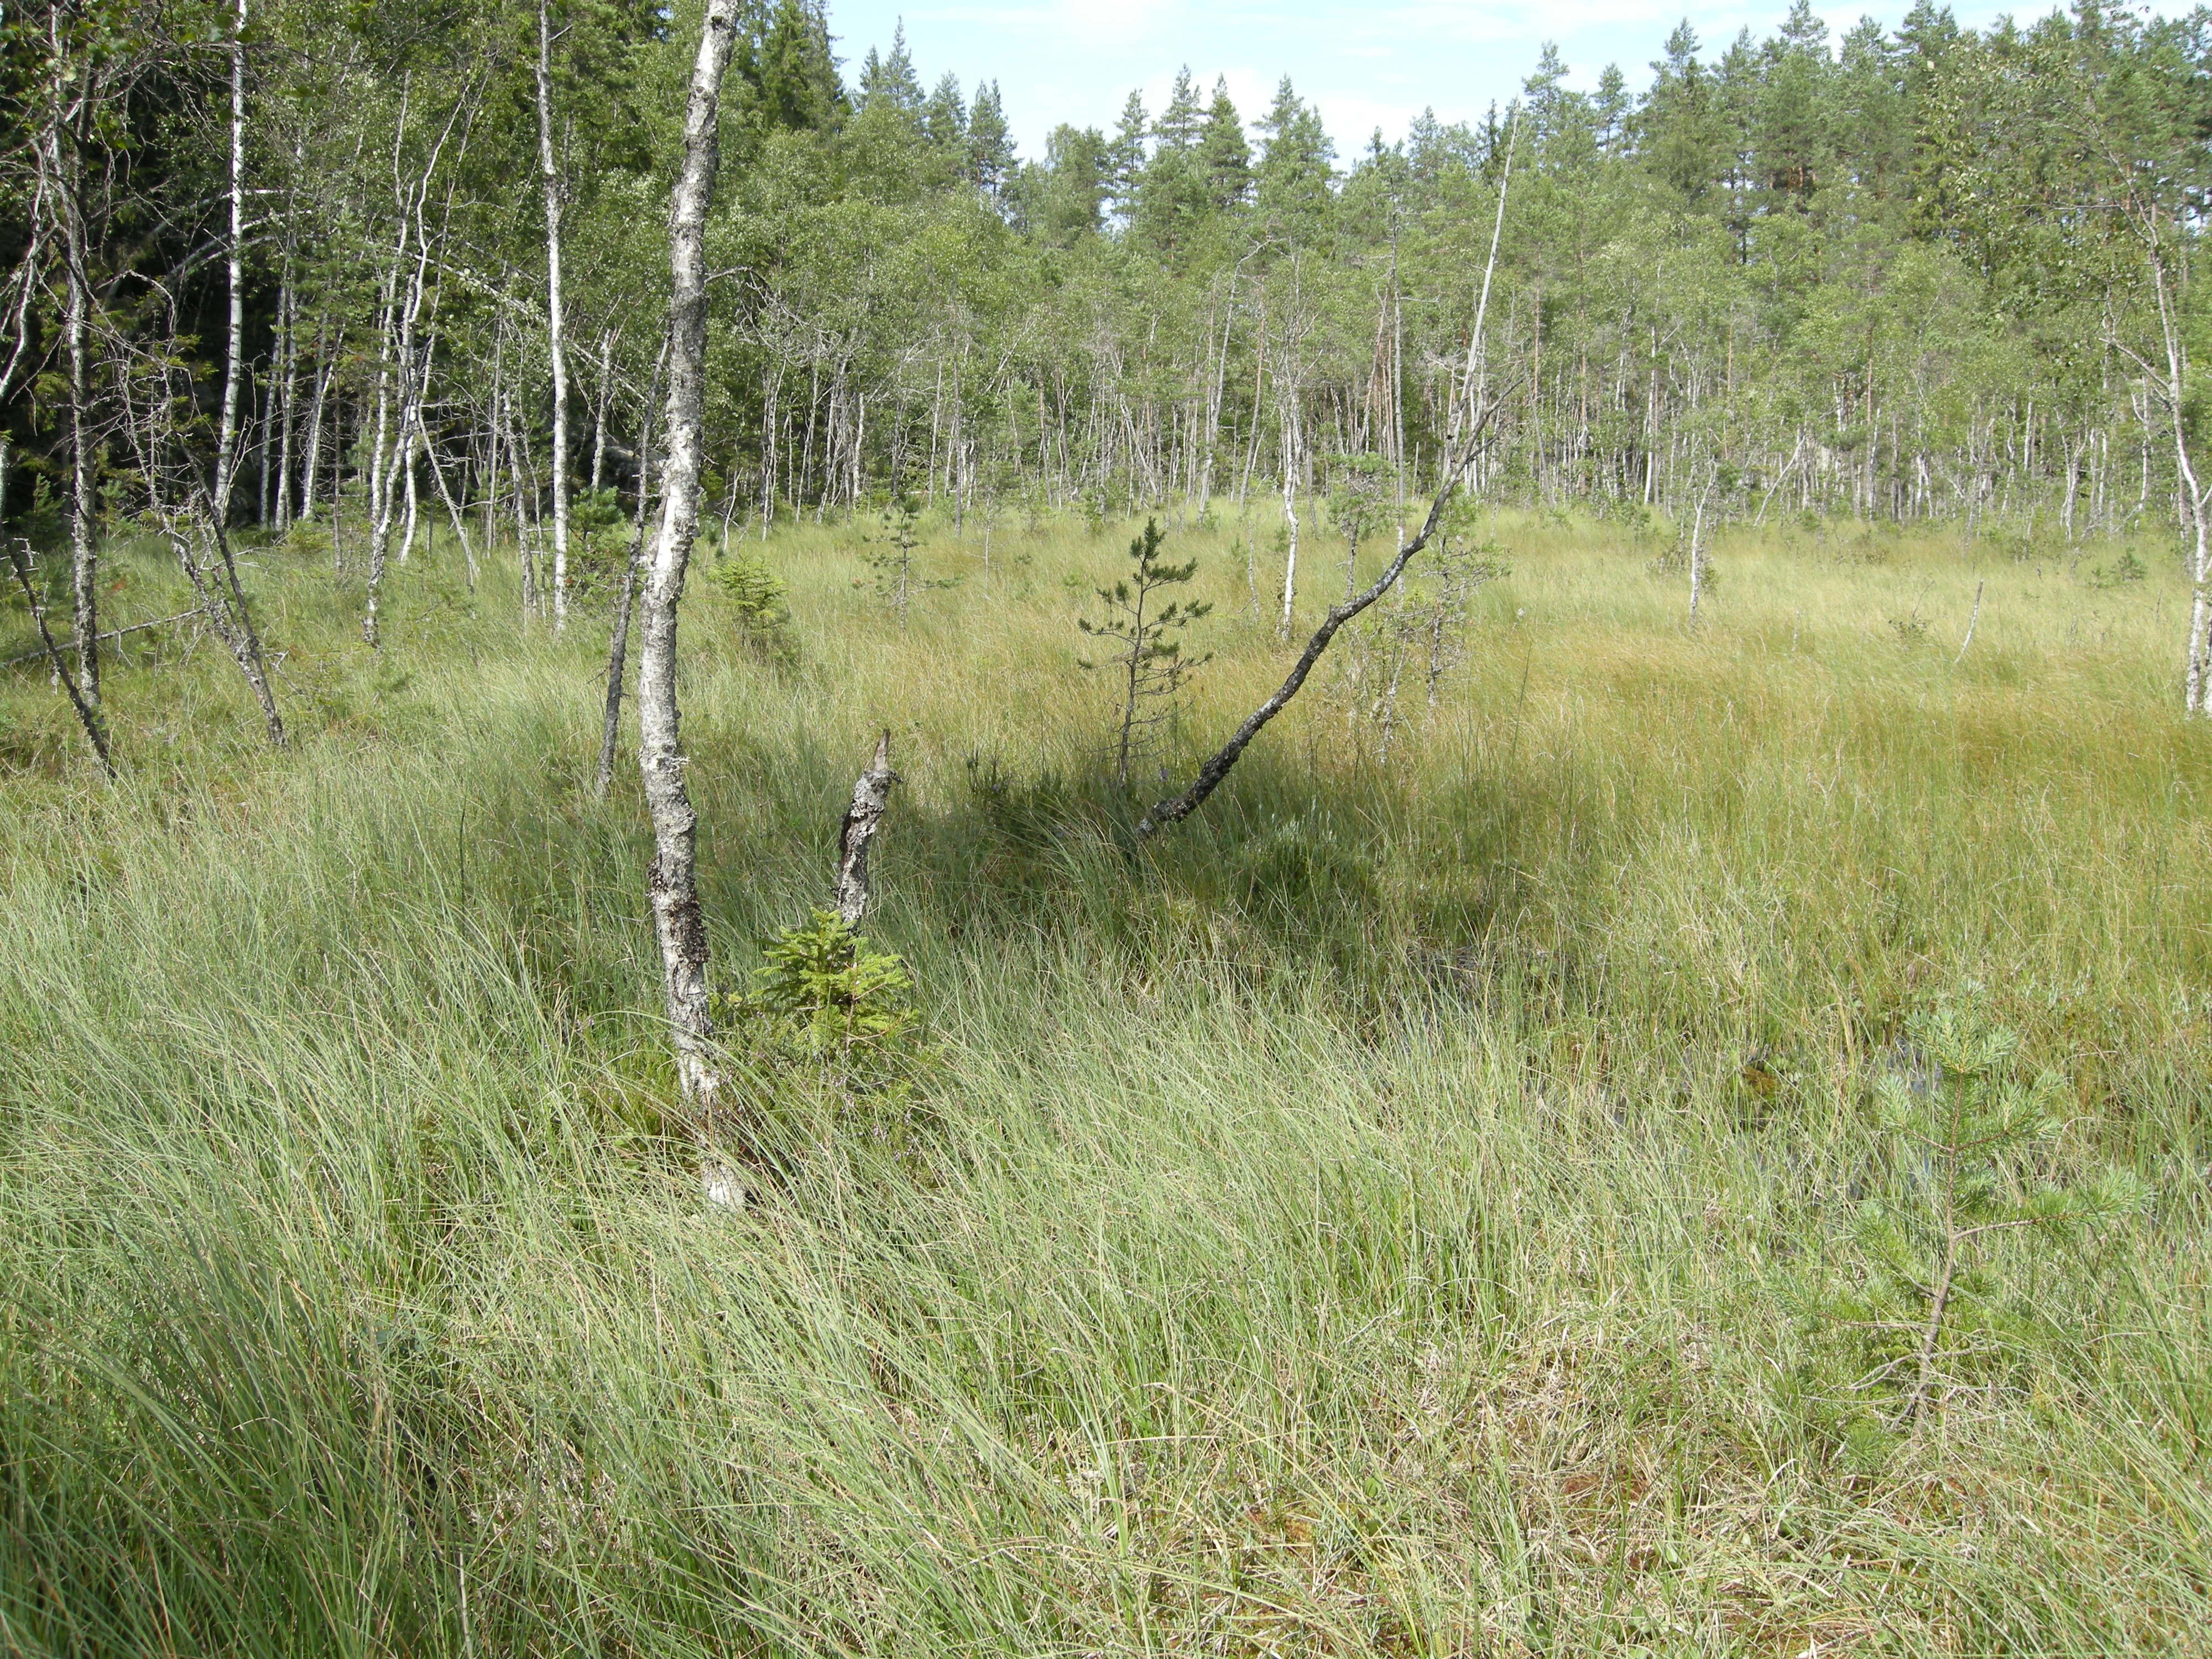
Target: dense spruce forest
773,883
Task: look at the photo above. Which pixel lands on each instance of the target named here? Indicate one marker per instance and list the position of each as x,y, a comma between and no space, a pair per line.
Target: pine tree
789,73
1064,199
1295,169
1125,158
890,82
1149,661
945,119
1224,152
990,144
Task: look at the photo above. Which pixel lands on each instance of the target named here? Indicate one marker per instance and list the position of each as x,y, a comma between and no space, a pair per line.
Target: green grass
1356,1223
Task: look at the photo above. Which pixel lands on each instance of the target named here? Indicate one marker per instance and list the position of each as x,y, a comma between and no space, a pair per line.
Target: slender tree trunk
1697,553
599,405
556,323
310,462
2196,689
288,316
226,460
84,559
674,880
618,642
1290,517
379,518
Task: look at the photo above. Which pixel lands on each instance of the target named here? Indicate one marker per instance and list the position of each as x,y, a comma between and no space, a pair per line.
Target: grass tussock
1383,1217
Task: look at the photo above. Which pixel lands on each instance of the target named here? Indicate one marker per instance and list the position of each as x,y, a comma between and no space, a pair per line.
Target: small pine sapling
1148,660
599,546
1359,504
829,1017
1965,1133
757,596
1424,635
1444,599
889,558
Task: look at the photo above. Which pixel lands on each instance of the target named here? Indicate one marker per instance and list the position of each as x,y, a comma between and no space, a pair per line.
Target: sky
1364,63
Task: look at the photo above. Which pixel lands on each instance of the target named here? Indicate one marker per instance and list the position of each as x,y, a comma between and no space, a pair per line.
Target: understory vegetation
1459,1193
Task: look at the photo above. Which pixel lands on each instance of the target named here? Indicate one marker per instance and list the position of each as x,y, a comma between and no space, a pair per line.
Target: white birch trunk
674,880
84,569
226,460
1290,517
556,333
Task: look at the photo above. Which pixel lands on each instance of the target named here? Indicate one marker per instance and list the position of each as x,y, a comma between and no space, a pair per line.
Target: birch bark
226,459
555,330
674,879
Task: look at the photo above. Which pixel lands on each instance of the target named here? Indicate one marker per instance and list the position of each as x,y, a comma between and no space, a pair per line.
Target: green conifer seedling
1148,656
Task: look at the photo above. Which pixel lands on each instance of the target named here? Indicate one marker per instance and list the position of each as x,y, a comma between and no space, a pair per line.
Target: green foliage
830,1007
888,555
1150,663
757,600
599,543
2120,573
1933,1298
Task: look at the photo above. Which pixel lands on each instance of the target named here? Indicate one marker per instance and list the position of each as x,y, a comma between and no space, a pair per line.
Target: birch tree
673,881
557,344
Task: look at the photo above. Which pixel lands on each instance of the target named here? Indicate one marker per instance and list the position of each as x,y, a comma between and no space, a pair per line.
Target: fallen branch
112,634
84,712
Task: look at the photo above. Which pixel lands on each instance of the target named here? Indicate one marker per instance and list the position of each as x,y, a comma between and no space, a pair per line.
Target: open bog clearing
1695,1141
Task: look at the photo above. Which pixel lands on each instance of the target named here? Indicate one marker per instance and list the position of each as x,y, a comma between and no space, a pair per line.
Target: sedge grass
1363,1222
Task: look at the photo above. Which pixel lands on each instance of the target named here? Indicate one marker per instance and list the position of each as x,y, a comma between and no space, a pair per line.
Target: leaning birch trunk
1972,617
871,795
1471,416
226,456
555,328
674,877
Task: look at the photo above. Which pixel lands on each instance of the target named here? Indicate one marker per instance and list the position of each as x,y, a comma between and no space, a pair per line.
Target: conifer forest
776,882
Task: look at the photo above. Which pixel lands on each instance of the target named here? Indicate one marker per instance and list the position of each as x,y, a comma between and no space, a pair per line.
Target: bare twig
40,655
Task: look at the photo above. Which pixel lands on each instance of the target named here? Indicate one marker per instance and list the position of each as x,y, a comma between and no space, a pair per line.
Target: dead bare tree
189,519
872,793
87,717
674,877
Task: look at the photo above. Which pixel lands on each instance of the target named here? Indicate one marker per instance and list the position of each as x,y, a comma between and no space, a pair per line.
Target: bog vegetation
1660,1108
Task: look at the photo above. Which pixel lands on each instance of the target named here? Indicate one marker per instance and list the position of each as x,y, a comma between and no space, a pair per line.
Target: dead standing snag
872,793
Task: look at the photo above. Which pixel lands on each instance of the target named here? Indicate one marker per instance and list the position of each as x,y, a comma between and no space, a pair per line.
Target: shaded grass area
1374,1219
